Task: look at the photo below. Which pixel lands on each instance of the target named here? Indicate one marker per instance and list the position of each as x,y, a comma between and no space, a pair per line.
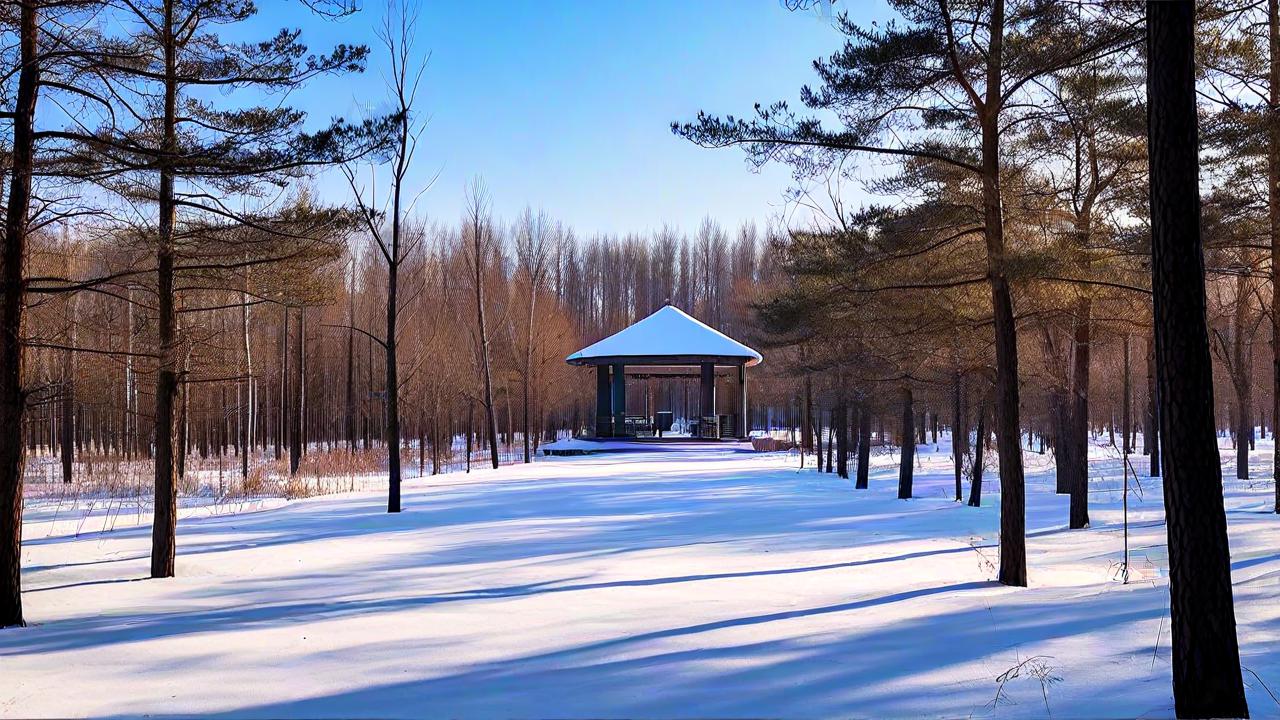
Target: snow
703,583
669,331
674,445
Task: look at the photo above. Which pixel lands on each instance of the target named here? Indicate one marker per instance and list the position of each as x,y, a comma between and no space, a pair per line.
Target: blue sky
565,105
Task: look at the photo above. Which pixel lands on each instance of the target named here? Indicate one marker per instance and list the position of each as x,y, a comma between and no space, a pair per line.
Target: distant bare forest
266,345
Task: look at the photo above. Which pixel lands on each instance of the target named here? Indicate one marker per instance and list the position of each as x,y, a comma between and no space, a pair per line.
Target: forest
1035,228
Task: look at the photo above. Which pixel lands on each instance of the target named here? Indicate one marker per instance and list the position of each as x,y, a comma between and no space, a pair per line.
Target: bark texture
907,464
864,445
1273,212
959,433
165,525
1078,437
1013,522
13,401
1206,660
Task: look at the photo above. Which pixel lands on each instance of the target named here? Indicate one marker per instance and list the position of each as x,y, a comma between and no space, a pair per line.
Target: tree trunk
528,366
68,427
246,427
1273,214
806,428
435,437
282,413
1059,432
165,524
295,406
422,442
471,413
841,426
184,415
864,445
1079,417
392,434
349,419
1241,371
1126,412
491,418
979,444
1013,543
1243,429
1206,659
907,464
831,442
815,422
959,432
129,420
13,400
365,439
1151,437
304,435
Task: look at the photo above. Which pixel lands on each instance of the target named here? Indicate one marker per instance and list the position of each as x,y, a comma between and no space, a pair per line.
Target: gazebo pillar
707,404
604,408
619,400
742,393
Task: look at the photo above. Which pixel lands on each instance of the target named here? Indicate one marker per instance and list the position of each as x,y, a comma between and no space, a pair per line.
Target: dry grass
321,472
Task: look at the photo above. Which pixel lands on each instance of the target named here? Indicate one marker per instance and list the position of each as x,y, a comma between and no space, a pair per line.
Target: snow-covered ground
692,584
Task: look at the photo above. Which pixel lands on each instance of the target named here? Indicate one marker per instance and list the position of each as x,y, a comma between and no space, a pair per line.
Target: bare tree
394,246
478,244
533,252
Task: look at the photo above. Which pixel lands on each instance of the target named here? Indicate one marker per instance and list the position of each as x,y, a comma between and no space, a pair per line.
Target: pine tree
944,87
186,152
1206,659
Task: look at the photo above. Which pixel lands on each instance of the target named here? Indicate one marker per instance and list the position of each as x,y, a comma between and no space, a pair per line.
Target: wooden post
744,425
707,404
619,399
651,403
604,408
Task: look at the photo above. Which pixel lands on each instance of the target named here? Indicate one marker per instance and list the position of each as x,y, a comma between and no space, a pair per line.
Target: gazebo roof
668,336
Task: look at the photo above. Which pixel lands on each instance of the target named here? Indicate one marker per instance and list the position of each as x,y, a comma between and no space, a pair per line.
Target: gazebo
667,344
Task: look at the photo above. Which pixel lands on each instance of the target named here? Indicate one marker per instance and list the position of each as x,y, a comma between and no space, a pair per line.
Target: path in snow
682,585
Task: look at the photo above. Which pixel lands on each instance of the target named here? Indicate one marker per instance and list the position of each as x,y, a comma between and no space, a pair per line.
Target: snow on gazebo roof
669,335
